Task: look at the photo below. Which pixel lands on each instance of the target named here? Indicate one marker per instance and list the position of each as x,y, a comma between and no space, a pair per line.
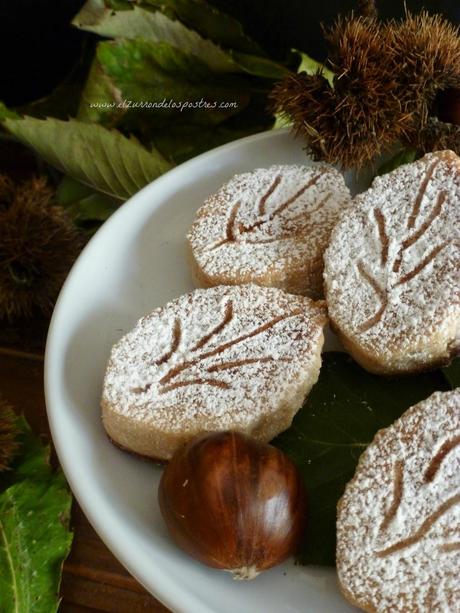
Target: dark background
38,47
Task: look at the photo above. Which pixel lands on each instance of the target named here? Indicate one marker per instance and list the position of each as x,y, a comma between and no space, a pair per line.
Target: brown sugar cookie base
368,361
391,273
269,227
226,358
145,458
291,281
399,518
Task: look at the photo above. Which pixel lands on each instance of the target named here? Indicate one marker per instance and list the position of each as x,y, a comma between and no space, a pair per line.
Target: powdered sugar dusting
392,268
226,355
398,526
263,221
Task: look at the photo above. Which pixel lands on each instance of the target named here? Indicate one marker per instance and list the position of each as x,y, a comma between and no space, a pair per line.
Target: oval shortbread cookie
392,269
240,358
398,523
269,227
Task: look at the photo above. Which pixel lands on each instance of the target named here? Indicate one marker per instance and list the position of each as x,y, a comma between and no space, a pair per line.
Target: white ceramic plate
135,263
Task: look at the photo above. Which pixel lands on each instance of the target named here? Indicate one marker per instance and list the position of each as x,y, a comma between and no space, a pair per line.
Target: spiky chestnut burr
38,244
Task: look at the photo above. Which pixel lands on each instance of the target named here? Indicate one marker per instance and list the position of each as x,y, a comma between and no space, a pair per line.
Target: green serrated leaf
183,142
157,27
34,534
95,207
452,373
157,81
83,203
100,100
6,113
34,541
404,156
199,15
70,191
209,22
259,66
340,418
312,67
103,159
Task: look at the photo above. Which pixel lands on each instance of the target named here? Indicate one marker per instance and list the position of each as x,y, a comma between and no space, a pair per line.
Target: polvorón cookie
240,358
269,227
398,522
392,269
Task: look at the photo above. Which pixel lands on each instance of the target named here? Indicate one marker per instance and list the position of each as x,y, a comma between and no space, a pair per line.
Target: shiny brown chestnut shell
233,503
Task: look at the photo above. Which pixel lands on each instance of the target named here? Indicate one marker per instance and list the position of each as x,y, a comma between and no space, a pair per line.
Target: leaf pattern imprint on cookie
398,493
169,381
380,292
393,265
424,528
398,484
440,456
236,231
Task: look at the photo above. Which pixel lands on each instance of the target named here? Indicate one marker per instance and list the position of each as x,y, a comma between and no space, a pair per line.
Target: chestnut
233,503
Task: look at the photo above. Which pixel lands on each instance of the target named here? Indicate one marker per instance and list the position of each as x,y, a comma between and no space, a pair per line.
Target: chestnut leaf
205,19
103,159
34,529
338,421
158,27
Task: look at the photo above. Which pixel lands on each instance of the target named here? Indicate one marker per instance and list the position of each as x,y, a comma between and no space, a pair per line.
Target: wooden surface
93,580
